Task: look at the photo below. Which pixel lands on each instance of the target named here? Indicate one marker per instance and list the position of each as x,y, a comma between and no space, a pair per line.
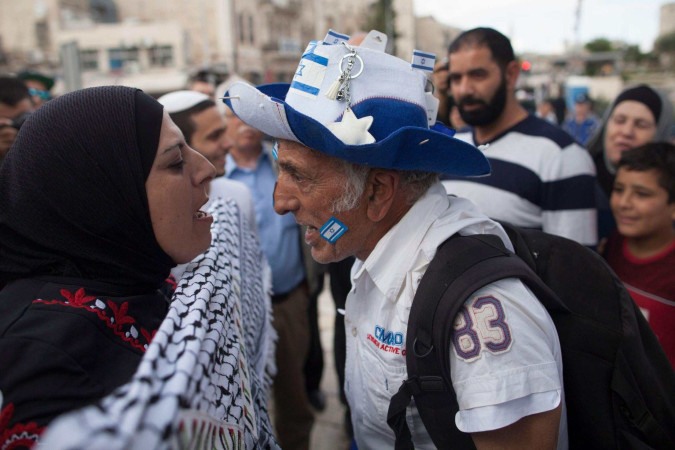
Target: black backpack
619,385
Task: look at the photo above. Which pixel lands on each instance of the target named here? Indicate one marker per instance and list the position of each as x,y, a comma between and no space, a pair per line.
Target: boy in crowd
642,250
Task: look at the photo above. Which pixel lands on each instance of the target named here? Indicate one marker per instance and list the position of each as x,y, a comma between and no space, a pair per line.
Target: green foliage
599,45
665,44
633,54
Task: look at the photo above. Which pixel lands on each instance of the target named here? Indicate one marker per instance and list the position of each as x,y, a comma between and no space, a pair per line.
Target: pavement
329,431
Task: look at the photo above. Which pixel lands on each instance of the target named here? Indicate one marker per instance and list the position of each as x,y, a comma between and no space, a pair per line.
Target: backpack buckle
420,385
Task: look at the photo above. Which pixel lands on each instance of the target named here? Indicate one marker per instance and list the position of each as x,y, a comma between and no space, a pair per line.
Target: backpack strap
461,266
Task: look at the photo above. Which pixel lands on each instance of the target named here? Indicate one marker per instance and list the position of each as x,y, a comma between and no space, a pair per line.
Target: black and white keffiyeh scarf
204,379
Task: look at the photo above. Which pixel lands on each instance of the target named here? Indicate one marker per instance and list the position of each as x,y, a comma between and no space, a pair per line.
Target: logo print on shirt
387,341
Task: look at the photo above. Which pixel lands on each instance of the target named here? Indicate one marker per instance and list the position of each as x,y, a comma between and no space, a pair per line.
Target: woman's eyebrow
174,146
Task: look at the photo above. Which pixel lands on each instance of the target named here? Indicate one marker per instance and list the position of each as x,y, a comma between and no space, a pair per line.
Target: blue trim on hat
275,90
390,115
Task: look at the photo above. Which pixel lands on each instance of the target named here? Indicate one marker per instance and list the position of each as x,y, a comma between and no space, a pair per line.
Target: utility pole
577,25
389,25
206,48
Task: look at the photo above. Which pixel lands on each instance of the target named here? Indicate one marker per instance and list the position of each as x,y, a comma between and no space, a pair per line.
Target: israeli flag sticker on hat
334,38
423,61
311,72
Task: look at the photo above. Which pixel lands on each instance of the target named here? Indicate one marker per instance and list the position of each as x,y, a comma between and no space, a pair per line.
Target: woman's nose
204,171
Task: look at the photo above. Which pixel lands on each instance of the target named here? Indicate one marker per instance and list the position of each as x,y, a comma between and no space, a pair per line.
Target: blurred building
157,44
667,19
435,37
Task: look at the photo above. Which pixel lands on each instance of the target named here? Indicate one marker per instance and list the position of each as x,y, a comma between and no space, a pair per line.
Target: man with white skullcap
204,129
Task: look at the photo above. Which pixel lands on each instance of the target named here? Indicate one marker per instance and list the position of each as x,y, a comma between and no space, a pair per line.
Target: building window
42,34
289,46
250,30
89,59
161,56
122,56
242,32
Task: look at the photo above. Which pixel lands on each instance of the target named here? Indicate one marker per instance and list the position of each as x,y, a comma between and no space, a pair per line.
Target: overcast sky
546,25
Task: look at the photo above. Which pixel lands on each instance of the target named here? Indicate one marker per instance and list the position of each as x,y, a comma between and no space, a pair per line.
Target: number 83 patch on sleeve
481,326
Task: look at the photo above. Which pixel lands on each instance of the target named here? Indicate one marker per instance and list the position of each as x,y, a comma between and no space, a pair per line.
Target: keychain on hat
339,90
351,130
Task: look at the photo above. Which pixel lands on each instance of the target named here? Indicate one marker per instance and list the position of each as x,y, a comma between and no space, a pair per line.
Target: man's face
243,137
10,112
309,183
39,92
7,114
209,138
478,85
641,206
582,109
204,87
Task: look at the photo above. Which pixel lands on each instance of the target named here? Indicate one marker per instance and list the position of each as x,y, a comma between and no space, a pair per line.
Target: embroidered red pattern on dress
18,436
114,315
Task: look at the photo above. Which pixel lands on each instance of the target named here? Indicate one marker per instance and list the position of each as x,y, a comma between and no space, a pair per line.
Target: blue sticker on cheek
332,230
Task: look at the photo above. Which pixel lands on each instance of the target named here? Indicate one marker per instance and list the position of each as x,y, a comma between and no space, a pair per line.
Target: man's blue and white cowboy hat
389,122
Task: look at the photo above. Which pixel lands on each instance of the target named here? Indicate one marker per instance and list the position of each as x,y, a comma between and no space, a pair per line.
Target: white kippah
178,101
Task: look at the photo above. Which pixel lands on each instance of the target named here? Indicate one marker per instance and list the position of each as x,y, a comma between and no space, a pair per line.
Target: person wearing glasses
15,106
39,86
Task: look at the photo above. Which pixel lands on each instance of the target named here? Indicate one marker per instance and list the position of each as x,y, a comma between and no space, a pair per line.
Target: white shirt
494,388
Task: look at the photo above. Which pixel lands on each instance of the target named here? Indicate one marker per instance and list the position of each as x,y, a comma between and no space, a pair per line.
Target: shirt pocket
382,377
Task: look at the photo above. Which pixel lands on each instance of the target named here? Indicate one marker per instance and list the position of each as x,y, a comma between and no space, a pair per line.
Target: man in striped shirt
541,178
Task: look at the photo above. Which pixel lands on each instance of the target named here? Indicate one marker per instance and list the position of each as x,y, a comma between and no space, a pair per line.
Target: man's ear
512,71
382,189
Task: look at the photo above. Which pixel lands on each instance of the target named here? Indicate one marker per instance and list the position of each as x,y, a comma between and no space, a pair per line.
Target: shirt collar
397,251
231,165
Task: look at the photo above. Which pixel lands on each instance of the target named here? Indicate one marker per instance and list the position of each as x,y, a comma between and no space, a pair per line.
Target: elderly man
358,167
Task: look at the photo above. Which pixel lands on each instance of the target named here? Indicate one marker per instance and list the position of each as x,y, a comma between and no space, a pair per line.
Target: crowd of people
161,259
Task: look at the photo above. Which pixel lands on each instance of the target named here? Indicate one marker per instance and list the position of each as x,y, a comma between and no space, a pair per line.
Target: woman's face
630,125
176,188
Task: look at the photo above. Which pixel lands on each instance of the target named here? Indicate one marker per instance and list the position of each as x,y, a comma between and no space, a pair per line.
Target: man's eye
296,177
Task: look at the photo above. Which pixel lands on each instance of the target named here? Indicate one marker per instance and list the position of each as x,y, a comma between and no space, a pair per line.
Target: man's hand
440,79
441,86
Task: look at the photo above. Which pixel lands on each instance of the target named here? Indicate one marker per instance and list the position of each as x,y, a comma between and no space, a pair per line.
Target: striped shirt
541,178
